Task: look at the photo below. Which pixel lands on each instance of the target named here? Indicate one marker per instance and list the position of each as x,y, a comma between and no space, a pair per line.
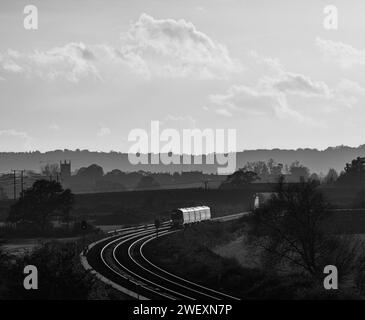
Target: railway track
121,259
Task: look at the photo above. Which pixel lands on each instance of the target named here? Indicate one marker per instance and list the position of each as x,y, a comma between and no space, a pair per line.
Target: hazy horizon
126,152
319,161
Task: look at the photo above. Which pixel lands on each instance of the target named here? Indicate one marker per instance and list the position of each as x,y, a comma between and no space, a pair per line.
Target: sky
95,70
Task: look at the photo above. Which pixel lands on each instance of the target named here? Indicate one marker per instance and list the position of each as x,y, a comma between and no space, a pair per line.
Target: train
185,216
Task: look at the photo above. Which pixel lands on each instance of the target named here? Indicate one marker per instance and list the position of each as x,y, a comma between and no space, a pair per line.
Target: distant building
261,198
65,170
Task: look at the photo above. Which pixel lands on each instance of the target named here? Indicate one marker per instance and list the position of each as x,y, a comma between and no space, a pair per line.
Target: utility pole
14,184
205,185
22,181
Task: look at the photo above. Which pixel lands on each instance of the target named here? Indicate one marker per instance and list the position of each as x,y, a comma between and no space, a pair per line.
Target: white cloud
274,92
277,78
14,133
72,61
282,94
351,87
349,92
293,83
12,139
272,65
103,131
150,47
256,101
179,121
54,127
270,95
223,112
12,67
343,54
175,48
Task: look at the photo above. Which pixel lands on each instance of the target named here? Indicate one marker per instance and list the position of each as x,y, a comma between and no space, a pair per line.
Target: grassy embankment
216,255
190,254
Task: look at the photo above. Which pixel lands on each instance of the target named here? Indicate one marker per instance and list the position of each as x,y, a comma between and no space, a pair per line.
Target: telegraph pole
205,185
14,182
22,181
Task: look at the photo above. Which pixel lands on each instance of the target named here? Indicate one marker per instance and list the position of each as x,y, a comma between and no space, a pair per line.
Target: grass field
134,207
218,255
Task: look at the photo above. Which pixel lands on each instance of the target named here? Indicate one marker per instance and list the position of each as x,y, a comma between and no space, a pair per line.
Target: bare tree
293,228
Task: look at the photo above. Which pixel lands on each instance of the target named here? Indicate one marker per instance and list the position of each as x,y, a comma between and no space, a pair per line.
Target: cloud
271,65
246,99
343,54
14,133
12,139
298,84
179,121
350,87
274,93
269,96
54,127
223,112
150,47
175,48
72,62
200,9
103,131
12,67
349,92
287,82
255,101
205,108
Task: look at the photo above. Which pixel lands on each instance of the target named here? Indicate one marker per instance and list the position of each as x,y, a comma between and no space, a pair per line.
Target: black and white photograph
183,156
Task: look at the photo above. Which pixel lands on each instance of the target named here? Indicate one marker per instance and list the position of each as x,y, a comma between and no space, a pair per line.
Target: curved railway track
121,259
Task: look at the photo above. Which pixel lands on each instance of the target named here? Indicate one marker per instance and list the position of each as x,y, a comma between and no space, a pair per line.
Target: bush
60,274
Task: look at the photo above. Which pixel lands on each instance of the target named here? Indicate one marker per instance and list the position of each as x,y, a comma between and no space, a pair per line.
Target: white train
184,216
